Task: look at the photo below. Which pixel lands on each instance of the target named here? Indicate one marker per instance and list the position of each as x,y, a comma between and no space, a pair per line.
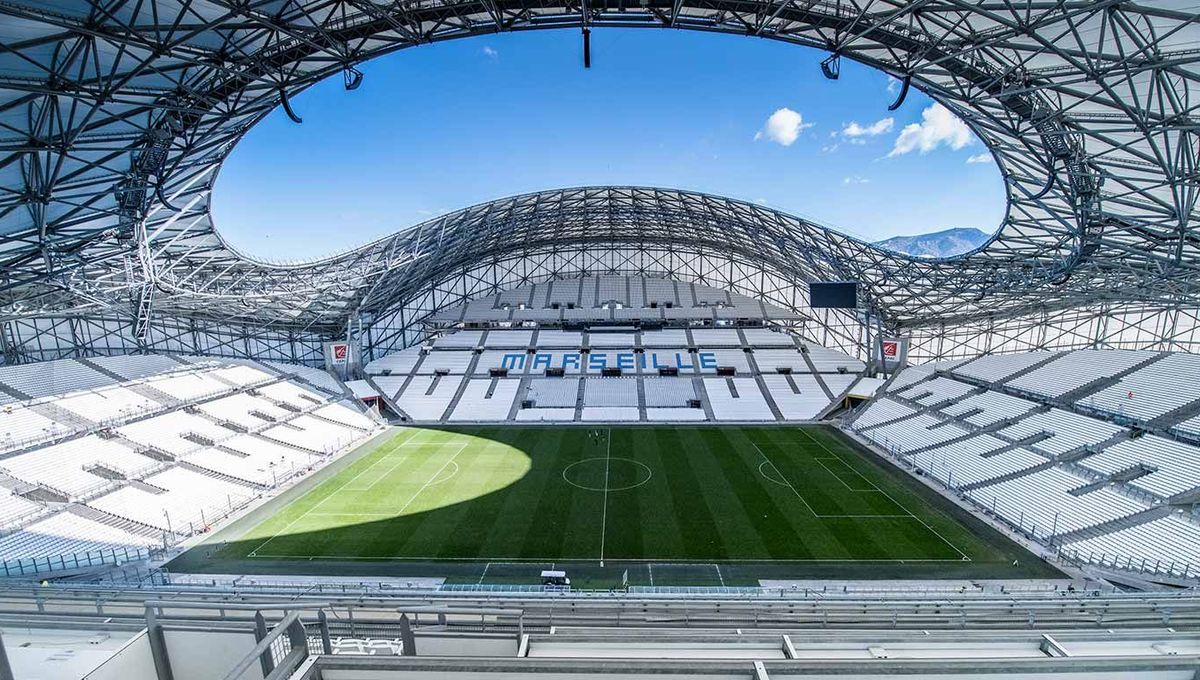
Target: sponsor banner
339,352
893,352
598,361
340,357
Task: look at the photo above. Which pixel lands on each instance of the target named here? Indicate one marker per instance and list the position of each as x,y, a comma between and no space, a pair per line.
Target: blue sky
444,126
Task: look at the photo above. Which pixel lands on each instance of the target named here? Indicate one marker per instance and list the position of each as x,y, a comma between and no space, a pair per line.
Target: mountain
938,244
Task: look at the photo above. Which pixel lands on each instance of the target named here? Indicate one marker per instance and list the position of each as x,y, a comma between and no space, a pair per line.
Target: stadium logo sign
891,350
339,352
598,361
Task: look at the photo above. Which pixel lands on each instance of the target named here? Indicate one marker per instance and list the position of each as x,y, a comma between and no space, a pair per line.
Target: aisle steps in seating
280,442
946,442
207,472
101,369
44,493
105,472
770,399
1007,477
1175,416
129,526
702,395
360,427
143,485
151,450
13,393
1016,374
579,396
149,391
1019,443
462,387
62,416
522,395
1117,524
1083,391
1105,480
904,410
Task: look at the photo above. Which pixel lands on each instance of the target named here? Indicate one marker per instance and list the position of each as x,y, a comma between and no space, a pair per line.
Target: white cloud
783,127
855,180
979,158
853,130
893,85
490,52
938,127
830,148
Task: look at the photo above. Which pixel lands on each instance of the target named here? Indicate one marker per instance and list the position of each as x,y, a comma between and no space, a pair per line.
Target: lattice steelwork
115,117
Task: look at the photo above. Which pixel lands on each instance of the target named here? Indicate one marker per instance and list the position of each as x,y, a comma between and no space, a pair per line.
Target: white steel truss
115,117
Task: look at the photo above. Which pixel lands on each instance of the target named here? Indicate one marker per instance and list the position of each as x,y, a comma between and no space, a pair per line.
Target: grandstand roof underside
116,116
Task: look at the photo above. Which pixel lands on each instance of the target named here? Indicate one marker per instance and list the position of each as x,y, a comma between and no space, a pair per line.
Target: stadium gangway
358,612
294,637
1131,564
37,566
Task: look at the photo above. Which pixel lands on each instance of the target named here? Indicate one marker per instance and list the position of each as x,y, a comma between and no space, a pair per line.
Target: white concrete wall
197,655
131,662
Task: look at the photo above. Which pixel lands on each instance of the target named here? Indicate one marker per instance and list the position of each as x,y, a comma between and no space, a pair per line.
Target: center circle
621,474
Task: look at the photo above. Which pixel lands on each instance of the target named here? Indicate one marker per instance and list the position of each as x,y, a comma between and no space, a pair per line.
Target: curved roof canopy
116,115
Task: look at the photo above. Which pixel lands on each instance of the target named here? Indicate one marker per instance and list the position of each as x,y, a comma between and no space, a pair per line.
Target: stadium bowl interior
389,462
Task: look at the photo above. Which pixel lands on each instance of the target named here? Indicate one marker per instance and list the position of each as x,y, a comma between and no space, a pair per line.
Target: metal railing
1129,563
34,566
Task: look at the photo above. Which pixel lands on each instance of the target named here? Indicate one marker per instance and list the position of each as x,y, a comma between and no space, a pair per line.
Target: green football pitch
689,505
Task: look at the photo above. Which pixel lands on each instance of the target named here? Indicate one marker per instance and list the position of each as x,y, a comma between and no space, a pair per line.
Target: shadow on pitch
478,508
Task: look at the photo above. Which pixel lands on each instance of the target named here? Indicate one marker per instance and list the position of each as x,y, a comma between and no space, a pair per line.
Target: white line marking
722,578
768,477
400,512
379,478
351,514
889,497
569,561
484,574
649,475
784,478
839,477
327,497
788,484
604,512
449,476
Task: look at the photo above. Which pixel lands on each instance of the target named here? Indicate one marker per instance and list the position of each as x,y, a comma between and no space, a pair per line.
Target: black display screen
833,294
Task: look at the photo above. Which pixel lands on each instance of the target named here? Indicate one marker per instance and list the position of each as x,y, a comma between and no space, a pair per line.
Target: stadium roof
115,118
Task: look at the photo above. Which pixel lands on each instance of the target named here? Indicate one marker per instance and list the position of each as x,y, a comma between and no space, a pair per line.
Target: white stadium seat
486,399
747,404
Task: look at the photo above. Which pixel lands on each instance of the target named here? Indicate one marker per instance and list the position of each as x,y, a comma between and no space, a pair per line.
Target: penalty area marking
782,481
821,462
448,477
768,477
935,532
321,485
254,553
